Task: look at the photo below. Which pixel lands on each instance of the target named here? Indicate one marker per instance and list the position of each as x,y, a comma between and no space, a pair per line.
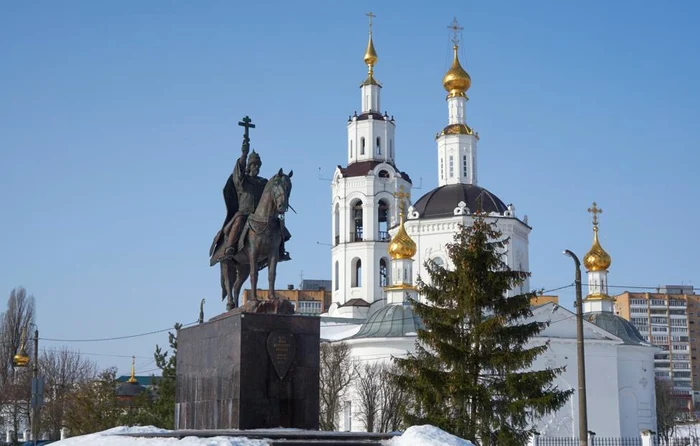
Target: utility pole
581,358
35,388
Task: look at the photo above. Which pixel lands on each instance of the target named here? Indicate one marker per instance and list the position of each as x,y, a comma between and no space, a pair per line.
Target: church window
383,273
362,145
383,221
379,146
357,215
357,273
336,275
442,169
391,148
452,166
405,275
464,166
336,225
351,148
438,261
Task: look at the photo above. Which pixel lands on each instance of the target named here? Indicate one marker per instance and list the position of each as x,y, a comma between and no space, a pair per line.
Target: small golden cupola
402,245
132,378
596,259
456,81
370,56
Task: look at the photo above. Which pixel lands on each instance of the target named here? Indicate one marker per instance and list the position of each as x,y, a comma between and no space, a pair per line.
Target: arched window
379,146
362,145
383,220
383,273
391,148
357,230
438,261
336,275
442,169
452,167
357,273
336,224
464,166
351,148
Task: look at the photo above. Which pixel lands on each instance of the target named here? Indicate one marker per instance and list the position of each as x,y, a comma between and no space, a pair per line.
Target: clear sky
118,130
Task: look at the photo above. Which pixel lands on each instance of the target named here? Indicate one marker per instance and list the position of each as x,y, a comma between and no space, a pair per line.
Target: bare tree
64,370
665,409
367,388
392,400
15,390
336,375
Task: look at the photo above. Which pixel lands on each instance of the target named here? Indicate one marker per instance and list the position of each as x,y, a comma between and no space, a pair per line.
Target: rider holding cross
242,193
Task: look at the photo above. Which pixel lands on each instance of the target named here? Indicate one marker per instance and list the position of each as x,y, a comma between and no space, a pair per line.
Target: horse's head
281,187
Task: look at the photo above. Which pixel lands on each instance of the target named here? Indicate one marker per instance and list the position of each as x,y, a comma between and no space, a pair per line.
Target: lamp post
21,359
582,406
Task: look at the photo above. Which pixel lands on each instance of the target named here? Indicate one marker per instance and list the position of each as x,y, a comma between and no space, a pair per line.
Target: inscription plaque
281,349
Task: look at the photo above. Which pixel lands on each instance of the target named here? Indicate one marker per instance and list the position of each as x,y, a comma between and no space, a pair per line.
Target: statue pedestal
248,371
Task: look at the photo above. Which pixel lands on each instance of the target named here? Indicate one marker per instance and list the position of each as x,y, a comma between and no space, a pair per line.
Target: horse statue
260,241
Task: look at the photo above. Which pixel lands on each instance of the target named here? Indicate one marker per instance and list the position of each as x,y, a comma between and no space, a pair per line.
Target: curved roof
363,168
128,389
394,320
442,201
622,328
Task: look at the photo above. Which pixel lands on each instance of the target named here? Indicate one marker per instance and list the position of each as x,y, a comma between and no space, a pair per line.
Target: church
381,243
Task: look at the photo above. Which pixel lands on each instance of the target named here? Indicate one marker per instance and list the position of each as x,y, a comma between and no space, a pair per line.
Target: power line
116,338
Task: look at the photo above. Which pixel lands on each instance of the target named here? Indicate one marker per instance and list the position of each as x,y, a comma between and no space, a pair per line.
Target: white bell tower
362,197
597,262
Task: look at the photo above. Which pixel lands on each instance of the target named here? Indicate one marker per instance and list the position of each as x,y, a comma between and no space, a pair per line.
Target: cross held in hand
595,210
247,123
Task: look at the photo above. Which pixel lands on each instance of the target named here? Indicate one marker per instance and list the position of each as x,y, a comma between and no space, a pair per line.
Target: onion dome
456,80
370,59
402,245
596,259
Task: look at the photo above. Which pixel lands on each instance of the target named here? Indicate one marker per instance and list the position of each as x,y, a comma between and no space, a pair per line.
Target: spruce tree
470,373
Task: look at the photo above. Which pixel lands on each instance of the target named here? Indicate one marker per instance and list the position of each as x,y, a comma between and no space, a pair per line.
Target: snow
110,438
335,331
427,435
414,436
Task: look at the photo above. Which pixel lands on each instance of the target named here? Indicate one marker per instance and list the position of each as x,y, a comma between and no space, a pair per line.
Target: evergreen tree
158,408
469,374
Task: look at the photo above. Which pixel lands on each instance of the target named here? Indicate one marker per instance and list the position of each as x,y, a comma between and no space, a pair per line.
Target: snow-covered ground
414,436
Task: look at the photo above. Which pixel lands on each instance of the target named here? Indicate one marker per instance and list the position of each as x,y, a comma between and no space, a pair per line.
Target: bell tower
363,195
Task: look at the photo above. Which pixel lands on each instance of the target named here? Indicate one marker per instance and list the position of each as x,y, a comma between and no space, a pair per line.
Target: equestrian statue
253,234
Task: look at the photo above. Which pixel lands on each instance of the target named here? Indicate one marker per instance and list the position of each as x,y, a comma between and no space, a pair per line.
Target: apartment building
670,319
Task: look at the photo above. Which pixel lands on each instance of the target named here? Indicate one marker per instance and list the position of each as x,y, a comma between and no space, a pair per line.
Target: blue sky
118,130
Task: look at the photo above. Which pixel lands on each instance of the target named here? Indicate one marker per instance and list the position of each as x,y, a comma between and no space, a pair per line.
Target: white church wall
601,387
432,237
636,389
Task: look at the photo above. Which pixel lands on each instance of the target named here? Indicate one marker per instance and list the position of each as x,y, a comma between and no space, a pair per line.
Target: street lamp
582,410
21,359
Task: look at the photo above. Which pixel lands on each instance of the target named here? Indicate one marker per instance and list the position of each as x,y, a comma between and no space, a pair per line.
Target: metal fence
592,441
615,441
683,441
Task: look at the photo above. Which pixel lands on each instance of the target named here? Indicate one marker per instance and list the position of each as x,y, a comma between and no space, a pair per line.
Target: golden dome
370,54
21,359
370,59
402,245
456,80
596,259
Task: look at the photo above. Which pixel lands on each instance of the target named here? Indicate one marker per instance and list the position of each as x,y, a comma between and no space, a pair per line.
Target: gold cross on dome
454,26
401,195
371,16
595,210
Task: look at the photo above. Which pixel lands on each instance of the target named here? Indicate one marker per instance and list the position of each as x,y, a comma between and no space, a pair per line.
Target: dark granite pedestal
248,371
